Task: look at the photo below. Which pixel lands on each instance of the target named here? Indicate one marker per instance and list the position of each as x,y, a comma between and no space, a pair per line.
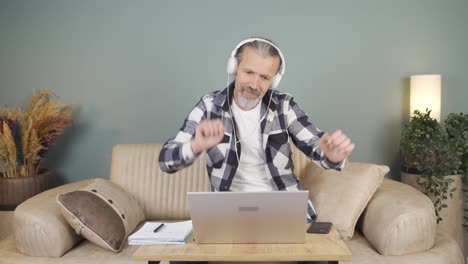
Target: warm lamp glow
425,93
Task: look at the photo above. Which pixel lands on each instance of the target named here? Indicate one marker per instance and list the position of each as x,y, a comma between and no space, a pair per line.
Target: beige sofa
38,233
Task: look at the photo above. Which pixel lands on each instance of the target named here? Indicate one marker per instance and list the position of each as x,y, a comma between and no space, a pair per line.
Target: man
245,129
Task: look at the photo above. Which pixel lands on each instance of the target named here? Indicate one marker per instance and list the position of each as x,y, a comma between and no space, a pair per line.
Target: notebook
161,233
249,217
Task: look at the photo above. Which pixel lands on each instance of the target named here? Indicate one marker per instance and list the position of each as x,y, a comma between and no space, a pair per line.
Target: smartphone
319,227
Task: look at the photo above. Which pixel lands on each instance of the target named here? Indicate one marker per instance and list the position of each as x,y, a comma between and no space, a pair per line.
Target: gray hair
262,48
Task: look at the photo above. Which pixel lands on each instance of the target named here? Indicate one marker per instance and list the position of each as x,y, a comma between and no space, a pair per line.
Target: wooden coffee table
317,247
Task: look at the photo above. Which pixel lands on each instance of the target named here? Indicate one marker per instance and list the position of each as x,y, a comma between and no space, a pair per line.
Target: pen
157,228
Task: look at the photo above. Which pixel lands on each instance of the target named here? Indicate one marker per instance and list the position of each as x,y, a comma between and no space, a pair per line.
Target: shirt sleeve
306,136
177,152
187,153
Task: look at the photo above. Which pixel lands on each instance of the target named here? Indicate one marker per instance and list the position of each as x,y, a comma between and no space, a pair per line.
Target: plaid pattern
285,119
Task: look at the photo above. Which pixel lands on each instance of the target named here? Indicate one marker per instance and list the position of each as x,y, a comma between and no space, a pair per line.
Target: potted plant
427,151
25,137
457,130
431,164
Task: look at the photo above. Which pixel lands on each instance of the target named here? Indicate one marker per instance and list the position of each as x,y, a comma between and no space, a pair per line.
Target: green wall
134,69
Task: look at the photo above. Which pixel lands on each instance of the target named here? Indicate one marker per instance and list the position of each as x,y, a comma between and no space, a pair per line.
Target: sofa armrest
40,229
399,220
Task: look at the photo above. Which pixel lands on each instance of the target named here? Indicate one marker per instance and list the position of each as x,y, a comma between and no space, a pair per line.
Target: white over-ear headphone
232,62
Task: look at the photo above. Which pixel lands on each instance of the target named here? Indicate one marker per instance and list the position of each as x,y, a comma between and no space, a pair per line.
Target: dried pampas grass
25,136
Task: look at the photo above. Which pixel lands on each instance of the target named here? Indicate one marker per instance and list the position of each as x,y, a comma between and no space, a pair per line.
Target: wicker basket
14,191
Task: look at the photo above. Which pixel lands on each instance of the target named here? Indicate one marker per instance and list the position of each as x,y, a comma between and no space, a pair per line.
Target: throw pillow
102,212
341,196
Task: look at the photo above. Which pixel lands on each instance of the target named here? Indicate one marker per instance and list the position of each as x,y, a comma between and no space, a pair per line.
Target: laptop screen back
249,217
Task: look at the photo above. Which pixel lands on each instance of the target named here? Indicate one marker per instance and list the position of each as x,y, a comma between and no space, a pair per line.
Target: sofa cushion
399,220
445,250
101,212
162,196
38,220
341,196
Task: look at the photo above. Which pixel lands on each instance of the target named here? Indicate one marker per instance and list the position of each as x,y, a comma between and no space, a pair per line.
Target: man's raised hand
337,146
208,134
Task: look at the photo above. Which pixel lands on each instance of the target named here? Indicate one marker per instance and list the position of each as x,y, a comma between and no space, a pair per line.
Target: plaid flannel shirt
285,119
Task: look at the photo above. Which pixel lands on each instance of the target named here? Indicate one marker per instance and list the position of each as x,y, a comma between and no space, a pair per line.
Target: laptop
248,217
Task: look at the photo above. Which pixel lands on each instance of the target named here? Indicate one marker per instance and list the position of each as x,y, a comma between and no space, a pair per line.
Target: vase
452,216
15,190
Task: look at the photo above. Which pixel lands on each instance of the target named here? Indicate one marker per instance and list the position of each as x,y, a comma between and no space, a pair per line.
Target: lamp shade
425,92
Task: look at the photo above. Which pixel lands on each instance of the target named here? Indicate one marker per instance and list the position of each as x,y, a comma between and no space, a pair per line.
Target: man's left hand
337,146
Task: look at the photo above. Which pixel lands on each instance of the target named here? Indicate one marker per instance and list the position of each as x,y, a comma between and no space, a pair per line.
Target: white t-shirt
251,173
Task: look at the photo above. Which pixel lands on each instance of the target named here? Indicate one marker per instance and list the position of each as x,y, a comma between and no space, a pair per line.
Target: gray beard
248,103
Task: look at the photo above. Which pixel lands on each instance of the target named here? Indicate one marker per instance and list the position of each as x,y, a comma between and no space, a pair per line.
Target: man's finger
332,138
206,131
325,138
349,149
346,141
336,134
339,140
221,129
212,130
213,127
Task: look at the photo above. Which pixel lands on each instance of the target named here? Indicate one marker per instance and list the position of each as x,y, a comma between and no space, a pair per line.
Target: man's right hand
208,134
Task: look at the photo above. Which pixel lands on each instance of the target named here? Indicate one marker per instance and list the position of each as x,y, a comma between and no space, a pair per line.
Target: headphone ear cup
276,81
231,65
